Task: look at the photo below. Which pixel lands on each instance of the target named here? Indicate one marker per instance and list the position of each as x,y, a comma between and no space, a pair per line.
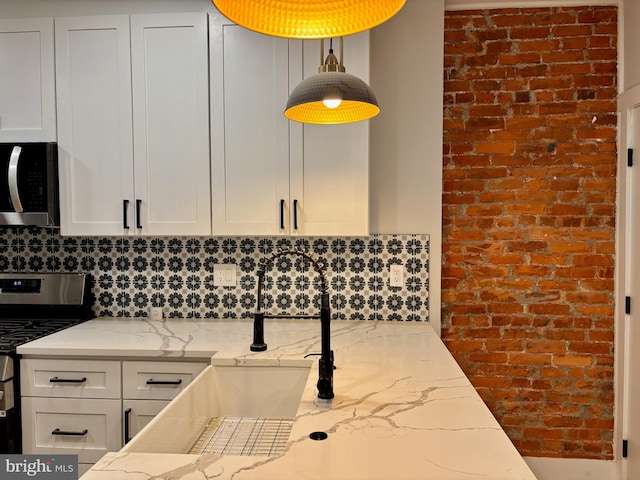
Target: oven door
9,424
10,434
7,397
29,184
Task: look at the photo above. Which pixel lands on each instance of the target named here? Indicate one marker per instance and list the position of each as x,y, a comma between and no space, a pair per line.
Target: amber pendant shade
308,18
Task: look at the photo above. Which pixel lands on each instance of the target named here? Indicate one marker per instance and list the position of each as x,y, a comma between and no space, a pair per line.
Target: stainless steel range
32,305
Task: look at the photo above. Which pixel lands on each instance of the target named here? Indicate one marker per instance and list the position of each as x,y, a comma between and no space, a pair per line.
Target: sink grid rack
244,436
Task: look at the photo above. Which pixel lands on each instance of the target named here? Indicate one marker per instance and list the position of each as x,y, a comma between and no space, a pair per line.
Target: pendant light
331,96
308,18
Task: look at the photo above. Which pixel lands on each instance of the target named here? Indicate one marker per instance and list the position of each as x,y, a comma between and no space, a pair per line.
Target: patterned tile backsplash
132,274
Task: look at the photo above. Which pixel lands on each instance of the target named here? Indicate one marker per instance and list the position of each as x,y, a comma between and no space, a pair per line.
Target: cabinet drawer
70,378
87,428
157,380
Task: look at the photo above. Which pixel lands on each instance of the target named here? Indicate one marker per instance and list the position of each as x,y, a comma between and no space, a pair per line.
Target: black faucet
325,379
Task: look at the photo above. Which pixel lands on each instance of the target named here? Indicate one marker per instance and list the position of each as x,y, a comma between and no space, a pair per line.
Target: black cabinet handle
68,380
126,425
57,431
281,214
138,222
295,214
125,208
151,381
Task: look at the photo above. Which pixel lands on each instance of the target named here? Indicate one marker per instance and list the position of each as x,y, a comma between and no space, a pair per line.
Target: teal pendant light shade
331,96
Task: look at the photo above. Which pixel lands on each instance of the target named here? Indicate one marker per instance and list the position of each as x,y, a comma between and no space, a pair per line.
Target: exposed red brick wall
529,219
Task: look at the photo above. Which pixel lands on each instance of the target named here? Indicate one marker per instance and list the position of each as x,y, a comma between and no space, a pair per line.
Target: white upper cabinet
27,81
95,138
330,163
249,133
170,72
133,125
271,176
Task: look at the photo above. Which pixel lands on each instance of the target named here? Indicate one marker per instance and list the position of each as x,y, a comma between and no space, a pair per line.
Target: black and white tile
132,274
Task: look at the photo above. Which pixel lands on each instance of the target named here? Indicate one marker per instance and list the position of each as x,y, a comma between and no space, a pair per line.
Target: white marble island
403,409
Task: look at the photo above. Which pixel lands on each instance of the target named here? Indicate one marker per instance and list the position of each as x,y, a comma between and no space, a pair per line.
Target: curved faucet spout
267,262
325,380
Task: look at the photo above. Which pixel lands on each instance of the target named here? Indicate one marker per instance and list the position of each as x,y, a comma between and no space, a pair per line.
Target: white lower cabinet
87,428
147,387
157,380
137,413
89,407
71,378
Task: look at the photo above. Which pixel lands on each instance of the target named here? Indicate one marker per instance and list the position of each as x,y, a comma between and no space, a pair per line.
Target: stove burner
17,332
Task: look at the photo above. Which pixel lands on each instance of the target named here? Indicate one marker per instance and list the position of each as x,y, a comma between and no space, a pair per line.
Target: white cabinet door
27,81
171,124
95,142
138,413
133,81
249,133
330,163
271,176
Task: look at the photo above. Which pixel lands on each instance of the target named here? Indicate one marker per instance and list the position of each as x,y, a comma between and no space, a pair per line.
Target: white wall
406,137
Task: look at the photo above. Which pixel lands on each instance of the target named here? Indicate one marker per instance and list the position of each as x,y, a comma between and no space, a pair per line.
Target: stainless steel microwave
29,184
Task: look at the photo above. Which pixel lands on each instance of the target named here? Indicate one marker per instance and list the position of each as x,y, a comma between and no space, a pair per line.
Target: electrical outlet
224,275
155,313
396,275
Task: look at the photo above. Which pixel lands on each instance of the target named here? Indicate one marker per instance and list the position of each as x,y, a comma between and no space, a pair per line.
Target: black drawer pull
57,431
68,380
151,381
127,412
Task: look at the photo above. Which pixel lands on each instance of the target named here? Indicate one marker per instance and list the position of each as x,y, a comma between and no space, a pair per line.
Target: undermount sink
259,398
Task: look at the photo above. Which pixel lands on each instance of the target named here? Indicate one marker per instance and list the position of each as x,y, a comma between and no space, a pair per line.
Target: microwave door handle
13,179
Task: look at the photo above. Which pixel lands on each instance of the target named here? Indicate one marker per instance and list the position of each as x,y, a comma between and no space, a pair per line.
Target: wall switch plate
155,313
396,275
224,275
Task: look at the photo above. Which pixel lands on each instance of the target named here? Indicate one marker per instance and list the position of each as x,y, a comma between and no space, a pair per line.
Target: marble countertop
136,337
403,408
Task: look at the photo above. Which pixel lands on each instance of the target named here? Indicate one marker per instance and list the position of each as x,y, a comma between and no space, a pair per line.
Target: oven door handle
68,380
57,431
12,176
